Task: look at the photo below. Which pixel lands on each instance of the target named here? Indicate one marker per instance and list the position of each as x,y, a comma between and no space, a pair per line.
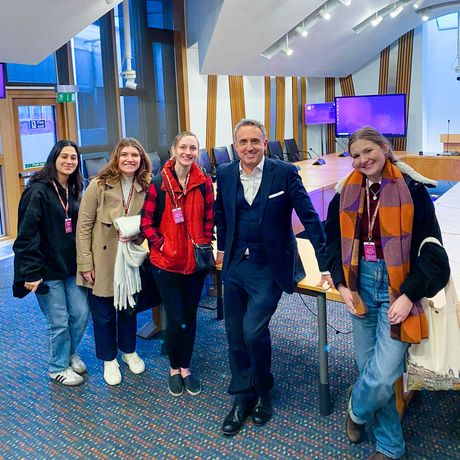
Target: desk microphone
319,161
447,143
314,151
345,152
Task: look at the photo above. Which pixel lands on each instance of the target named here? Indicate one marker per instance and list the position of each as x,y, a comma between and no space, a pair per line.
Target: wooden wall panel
280,107
347,86
384,68
295,110
237,107
211,113
267,84
329,97
303,101
180,47
403,78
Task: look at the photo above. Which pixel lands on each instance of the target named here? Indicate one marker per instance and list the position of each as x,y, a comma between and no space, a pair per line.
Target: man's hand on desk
326,279
219,257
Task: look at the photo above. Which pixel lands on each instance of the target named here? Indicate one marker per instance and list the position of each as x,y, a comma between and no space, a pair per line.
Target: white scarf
126,279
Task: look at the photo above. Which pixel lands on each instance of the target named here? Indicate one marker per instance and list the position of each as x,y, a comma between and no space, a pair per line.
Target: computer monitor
321,113
2,81
384,112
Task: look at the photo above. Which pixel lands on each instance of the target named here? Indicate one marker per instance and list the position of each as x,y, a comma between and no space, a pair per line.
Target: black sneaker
175,385
192,385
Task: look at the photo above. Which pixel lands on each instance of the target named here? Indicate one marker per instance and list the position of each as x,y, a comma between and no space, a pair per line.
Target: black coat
42,248
429,272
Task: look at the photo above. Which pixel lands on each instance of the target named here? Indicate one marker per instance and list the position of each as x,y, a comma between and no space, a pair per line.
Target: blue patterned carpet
140,420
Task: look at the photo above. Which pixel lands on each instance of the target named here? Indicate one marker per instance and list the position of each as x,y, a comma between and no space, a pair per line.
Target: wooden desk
435,167
450,142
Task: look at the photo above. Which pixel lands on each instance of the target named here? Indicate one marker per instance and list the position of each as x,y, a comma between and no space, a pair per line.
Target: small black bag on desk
204,257
150,295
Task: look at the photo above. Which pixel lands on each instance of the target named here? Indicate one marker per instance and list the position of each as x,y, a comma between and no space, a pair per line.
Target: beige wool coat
97,239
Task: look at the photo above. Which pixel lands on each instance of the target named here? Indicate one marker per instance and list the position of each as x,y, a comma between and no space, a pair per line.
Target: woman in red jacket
184,198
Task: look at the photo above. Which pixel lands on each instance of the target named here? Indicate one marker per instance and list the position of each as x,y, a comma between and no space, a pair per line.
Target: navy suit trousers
251,297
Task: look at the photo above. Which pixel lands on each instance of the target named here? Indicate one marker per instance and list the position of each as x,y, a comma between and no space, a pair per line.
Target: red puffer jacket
176,253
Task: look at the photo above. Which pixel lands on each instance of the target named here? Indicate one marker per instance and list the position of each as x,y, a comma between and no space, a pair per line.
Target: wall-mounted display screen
318,114
384,112
2,81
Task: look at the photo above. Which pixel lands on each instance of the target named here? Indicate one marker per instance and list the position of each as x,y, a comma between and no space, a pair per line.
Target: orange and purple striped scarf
396,213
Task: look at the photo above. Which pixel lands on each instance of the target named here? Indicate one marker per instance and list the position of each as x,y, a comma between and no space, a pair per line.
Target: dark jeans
250,299
180,295
107,322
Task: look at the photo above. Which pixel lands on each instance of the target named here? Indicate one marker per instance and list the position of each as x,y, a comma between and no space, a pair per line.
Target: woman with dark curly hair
118,190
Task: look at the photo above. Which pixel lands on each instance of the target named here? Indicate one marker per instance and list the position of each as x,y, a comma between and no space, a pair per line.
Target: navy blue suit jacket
281,191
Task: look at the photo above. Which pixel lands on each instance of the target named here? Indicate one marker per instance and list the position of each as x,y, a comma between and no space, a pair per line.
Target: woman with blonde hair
178,212
118,190
375,226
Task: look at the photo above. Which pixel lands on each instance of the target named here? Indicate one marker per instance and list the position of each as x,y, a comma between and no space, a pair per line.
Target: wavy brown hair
112,171
368,133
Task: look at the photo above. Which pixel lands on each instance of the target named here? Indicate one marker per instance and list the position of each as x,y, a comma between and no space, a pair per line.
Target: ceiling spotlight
325,14
302,31
416,5
345,2
377,20
286,50
396,11
425,17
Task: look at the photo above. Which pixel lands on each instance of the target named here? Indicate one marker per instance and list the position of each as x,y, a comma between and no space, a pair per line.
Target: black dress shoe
262,411
235,418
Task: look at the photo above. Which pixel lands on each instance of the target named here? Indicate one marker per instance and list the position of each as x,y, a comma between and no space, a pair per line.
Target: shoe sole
176,395
193,393
67,384
260,424
230,434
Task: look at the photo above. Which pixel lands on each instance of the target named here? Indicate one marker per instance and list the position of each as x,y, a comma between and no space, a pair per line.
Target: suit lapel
233,184
265,186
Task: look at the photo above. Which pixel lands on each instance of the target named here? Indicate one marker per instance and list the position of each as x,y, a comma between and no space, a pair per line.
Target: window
42,73
159,14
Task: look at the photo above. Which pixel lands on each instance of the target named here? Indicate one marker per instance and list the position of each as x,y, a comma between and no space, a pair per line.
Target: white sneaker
67,377
77,364
135,363
112,374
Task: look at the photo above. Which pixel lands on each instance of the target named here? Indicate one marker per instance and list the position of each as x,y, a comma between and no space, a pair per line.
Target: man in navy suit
256,243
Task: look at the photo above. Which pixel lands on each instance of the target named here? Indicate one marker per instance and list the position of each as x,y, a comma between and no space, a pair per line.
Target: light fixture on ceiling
301,30
110,2
376,20
416,5
397,11
286,50
324,13
345,2
425,17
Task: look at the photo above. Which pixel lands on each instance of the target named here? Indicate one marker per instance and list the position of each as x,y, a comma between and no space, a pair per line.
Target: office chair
221,155
292,150
275,150
92,163
235,153
155,160
205,163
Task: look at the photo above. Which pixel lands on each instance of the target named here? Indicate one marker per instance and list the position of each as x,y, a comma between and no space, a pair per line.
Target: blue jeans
380,361
66,311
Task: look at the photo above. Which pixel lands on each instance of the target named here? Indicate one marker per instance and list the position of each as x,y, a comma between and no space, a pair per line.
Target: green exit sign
66,97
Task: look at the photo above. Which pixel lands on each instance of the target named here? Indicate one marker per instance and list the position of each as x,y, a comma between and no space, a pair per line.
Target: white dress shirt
251,183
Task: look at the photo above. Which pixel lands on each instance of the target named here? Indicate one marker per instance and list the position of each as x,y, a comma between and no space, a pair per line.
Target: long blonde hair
112,171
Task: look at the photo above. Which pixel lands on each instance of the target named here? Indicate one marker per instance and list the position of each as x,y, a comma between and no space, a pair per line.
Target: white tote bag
434,364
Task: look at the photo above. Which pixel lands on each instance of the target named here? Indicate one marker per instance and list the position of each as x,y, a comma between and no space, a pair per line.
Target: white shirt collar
259,167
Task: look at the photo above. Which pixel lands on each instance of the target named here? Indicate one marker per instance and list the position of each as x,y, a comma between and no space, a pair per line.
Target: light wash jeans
66,311
380,361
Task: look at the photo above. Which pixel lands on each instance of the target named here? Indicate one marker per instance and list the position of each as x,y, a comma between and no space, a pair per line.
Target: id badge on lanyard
370,251
68,224
178,216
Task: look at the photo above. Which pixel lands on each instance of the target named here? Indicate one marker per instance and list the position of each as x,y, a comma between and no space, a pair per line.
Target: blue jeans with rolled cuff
380,361
66,311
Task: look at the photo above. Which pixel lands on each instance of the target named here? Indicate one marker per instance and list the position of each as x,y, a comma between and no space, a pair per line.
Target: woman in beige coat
118,190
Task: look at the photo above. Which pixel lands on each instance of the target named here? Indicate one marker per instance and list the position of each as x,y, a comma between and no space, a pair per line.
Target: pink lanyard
130,195
66,206
371,222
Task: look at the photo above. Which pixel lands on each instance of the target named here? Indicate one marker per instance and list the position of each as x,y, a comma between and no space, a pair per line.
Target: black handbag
204,257
149,296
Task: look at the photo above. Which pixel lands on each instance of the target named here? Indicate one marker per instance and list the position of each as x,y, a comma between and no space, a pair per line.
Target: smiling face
369,158
186,151
250,144
66,162
129,160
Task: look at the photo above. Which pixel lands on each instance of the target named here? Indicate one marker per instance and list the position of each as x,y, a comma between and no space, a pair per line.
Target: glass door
37,130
